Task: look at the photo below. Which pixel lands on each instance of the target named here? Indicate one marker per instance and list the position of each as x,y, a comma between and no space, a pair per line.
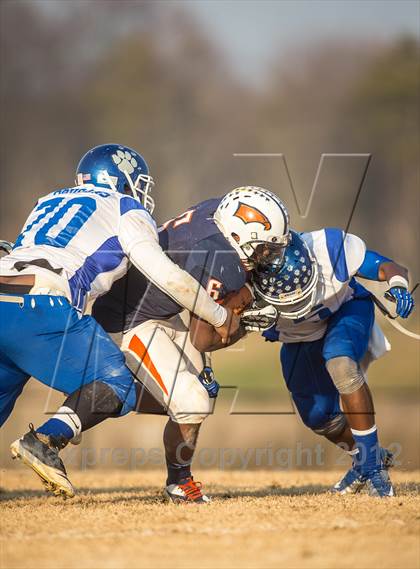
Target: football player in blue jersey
217,241
75,243
326,321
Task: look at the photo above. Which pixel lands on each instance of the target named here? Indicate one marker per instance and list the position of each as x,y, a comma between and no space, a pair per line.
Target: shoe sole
53,481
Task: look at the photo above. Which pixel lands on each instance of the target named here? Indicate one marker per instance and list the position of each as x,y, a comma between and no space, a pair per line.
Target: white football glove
257,319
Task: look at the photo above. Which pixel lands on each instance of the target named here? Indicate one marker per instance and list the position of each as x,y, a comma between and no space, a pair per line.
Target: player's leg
317,401
12,382
313,392
345,345
163,359
180,439
23,318
74,356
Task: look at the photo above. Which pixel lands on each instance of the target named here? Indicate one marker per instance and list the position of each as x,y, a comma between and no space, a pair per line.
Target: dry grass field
257,519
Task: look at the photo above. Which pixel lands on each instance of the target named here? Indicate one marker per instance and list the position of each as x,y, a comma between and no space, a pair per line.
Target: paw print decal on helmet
124,161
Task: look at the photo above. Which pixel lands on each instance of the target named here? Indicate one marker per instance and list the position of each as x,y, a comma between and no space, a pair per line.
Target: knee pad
195,418
346,374
94,402
333,427
194,412
189,401
317,414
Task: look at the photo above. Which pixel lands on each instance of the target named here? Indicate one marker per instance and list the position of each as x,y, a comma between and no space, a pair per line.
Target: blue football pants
44,337
313,391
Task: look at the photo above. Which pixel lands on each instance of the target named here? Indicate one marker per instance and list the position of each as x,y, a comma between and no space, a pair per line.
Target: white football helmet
256,223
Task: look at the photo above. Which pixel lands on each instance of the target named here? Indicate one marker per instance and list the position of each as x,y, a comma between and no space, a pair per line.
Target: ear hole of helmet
236,237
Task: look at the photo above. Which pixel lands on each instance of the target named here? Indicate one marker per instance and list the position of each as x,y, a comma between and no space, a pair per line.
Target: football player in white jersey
75,243
327,325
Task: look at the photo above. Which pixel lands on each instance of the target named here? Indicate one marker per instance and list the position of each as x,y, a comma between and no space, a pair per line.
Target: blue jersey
193,241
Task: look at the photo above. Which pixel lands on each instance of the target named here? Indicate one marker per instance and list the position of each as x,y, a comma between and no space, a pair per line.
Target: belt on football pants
14,289
43,284
14,293
6,298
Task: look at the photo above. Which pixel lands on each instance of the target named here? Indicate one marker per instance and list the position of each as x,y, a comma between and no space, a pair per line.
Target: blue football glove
402,297
208,381
271,335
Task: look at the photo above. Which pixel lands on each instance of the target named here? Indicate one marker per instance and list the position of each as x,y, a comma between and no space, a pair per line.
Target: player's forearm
391,269
205,339
149,258
379,268
376,267
217,344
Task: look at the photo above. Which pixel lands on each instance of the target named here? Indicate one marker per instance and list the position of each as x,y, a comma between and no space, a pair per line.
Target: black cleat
40,453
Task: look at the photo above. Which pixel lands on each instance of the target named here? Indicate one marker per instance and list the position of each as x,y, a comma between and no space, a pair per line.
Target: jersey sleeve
345,251
136,226
372,261
355,249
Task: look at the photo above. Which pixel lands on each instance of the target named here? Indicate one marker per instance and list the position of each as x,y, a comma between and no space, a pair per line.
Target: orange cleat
188,491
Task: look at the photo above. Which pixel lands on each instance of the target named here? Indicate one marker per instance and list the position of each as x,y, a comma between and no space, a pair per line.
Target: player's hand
6,246
258,319
403,299
208,381
239,300
271,335
230,327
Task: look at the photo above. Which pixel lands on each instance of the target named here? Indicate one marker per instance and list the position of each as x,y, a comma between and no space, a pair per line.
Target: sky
250,30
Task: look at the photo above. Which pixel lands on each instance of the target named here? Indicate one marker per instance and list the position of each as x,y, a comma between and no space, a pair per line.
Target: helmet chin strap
246,261
248,264
109,181
133,188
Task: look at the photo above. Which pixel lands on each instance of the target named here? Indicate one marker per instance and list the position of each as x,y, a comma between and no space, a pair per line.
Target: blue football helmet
290,284
119,168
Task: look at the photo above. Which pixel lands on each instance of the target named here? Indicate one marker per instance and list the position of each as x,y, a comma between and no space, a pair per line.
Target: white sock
68,416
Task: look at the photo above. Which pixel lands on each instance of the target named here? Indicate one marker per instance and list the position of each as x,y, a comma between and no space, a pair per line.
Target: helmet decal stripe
250,214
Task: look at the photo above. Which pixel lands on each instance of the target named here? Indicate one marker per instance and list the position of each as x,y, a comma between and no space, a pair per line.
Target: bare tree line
149,77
